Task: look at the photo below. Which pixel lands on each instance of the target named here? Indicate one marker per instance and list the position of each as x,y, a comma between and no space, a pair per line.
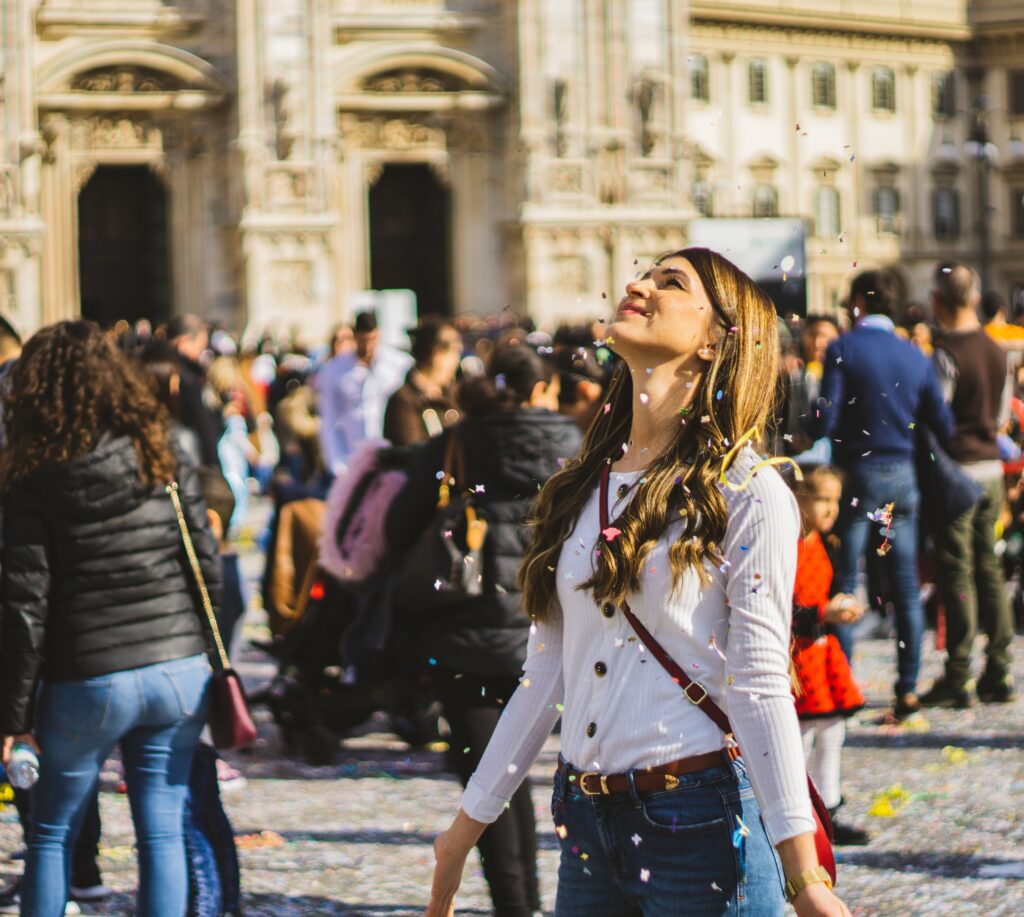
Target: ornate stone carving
412,81
82,172
124,79
651,182
291,284
612,175
287,186
564,179
570,274
115,133
8,189
391,134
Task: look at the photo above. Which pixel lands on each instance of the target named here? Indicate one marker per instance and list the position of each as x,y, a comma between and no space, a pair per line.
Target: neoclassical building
263,162
893,129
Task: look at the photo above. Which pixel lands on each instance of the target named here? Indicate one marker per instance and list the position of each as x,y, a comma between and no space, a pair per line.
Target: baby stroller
329,685
340,662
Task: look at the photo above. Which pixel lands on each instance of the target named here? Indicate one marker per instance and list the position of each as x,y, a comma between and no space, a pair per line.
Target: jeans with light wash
678,853
156,712
867,488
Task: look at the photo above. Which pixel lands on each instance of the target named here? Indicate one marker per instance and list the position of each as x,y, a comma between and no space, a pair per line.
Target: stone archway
123,252
409,235
133,106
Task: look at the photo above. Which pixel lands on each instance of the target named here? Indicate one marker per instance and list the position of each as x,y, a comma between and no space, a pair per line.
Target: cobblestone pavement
947,793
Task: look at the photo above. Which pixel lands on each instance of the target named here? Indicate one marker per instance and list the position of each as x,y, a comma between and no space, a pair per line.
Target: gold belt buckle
602,781
699,700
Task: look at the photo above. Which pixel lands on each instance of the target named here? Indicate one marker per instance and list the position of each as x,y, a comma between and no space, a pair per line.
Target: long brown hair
737,394
70,387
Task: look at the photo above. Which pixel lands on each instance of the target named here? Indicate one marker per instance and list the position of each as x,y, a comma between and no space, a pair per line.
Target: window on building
700,85
1017,209
766,201
883,89
944,95
946,214
703,196
823,86
826,211
1016,78
886,206
757,82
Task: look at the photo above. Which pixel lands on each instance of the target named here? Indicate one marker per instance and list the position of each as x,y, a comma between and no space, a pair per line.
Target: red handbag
823,822
230,721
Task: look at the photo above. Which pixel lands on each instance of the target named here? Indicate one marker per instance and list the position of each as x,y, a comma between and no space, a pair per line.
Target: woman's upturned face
665,314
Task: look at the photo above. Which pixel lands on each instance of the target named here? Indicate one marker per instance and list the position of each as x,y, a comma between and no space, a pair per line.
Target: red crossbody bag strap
823,833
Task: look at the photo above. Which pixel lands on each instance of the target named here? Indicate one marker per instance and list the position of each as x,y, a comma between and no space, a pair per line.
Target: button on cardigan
732,636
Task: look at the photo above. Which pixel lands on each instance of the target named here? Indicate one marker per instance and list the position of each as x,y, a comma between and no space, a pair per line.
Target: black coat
199,411
511,455
94,575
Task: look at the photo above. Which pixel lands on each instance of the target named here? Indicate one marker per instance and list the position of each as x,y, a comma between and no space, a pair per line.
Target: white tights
823,748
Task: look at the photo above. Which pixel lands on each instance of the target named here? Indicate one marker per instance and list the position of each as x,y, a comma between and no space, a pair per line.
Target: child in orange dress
828,693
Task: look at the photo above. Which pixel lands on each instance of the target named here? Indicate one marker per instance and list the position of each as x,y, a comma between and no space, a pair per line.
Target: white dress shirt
351,399
732,635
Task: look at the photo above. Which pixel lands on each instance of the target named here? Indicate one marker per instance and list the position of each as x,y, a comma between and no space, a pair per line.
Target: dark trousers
213,872
974,589
472,706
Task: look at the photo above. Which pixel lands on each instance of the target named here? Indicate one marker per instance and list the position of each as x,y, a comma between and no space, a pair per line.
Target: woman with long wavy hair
100,638
656,812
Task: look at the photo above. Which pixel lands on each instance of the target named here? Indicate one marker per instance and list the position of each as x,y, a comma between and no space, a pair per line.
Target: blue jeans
678,853
873,486
156,713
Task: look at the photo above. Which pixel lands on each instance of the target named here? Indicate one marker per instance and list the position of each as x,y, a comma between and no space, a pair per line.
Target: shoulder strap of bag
695,692
197,572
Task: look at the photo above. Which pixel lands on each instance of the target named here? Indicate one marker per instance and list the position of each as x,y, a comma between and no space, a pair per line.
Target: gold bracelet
807,877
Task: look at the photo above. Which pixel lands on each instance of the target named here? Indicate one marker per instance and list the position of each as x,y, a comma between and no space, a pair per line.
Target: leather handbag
445,565
230,721
701,699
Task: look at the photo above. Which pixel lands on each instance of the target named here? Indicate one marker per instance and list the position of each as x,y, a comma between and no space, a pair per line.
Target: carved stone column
60,241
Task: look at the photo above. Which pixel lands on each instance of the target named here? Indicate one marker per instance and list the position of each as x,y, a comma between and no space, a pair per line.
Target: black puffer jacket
510,454
94,575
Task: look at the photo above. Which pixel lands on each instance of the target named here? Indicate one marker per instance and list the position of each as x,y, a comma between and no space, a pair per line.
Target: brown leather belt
650,780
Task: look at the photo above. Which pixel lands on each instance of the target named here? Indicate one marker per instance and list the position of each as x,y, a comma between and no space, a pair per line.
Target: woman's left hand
9,743
818,900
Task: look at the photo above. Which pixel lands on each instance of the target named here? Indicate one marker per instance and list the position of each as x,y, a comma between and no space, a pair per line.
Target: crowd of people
504,589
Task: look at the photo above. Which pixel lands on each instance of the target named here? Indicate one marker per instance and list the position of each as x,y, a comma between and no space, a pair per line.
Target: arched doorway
410,237
123,251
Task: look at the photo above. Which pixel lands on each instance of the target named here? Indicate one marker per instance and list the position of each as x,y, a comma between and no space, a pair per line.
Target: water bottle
23,768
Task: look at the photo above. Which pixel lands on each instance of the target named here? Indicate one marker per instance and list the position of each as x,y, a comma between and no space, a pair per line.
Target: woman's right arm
26,590
521,732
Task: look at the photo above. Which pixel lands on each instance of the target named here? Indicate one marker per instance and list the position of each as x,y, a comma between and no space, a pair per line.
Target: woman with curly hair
100,638
666,538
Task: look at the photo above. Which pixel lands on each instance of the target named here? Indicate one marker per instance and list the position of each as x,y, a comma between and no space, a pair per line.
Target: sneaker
996,689
844,835
943,694
96,892
906,706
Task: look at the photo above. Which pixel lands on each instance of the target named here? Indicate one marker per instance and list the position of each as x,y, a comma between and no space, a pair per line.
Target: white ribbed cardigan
732,635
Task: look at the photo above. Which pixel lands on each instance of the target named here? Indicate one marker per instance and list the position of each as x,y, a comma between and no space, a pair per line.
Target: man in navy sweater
875,390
